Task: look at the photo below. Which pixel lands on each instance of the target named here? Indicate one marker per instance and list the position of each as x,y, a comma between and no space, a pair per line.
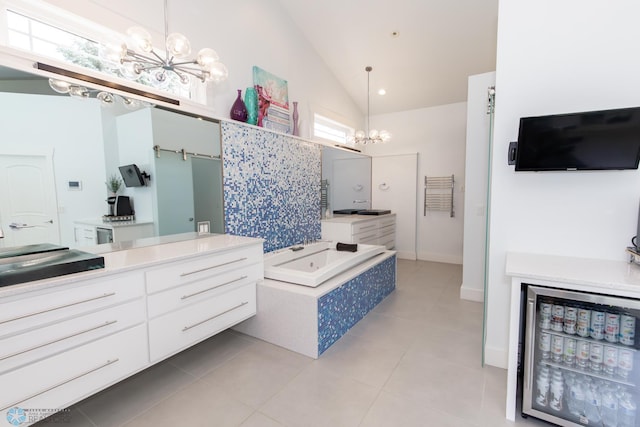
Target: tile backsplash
271,185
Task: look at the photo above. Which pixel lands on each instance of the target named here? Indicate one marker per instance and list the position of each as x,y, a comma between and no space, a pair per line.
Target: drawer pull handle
212,267
212,288
367,226
80,375
75,334
186,328
110,294
368,237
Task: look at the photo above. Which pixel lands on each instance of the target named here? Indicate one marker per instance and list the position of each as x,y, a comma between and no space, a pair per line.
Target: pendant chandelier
367,136
205,67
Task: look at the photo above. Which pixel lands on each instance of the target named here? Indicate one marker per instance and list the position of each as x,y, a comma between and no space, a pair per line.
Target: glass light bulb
217,72
106,98
360,134
131,70
140,38
130,103
373,134
385,136
207,57
59,86
80,92
178,45
113,51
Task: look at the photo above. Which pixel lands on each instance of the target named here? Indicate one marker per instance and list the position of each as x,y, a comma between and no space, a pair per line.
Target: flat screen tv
131,176
593,140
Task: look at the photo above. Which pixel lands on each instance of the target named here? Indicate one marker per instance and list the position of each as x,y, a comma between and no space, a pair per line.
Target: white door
28,204
351,184
395,187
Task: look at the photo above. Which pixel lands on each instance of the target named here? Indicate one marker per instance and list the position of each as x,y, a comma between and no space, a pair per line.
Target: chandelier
372,136
205,67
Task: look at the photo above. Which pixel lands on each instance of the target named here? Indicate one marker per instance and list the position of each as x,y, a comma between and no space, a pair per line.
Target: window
24,32
331,130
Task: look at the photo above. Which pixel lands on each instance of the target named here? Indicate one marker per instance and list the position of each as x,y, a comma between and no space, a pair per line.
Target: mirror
348,174
58,152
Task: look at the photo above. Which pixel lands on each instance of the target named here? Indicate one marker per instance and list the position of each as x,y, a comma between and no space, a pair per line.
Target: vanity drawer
387,221
180,329
29,311
19,350
180,273
67,377
182,296
369,238
388,240
364,227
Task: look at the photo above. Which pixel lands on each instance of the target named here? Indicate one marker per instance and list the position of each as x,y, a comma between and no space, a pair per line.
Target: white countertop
351,219
586,272
97,222
140,253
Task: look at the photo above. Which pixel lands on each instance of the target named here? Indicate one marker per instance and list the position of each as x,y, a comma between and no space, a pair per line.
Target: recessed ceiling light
395,34
382,92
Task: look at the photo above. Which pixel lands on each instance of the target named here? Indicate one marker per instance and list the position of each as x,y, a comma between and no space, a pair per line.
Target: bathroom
443,239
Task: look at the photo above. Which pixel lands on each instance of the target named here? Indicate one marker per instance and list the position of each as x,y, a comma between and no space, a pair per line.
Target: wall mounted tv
132,176
593,140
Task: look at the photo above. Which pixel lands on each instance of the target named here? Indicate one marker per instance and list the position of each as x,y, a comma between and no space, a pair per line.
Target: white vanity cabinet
367,229
57,346
193,300
66,338
87,232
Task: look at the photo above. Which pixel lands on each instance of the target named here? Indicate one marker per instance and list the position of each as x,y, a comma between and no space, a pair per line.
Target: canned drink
557,348
570,319
545,315
570,345
612,327
597,325
610,359
596,353
545,345
584,321
557,317
582,354
627,329
625,362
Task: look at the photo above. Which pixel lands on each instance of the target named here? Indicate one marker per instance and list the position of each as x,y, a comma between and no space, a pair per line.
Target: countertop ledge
588,272
156,251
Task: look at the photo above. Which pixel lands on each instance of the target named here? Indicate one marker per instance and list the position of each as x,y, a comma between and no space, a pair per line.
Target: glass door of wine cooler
581,358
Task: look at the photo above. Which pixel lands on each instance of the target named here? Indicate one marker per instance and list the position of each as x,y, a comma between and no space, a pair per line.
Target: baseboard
448,259
471,294
497,357
406,255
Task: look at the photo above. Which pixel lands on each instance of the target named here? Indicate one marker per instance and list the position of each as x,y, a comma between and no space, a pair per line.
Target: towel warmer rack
438,194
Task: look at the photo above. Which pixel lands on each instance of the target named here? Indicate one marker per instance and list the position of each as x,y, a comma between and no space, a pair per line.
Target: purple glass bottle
238,109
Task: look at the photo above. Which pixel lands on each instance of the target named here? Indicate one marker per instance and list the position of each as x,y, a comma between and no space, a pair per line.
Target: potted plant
113,184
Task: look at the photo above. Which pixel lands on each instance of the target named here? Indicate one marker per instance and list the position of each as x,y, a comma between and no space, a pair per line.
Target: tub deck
308,320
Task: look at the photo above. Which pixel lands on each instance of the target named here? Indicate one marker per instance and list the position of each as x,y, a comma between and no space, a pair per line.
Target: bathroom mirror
348,174
58,152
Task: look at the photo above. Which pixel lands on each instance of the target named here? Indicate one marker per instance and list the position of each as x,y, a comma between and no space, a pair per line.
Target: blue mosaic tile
271,185
343,307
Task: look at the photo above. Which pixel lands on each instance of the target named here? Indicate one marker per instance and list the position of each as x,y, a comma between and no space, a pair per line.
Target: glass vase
251,103
238,109
296,117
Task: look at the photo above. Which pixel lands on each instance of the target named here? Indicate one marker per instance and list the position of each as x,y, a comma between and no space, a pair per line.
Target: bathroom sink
29,249
45,264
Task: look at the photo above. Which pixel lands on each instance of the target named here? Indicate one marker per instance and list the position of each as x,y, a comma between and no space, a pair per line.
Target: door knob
49,222
190,219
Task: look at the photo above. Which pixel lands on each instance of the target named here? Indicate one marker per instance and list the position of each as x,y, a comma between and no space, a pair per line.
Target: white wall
244,33
437,134
556,57
475,194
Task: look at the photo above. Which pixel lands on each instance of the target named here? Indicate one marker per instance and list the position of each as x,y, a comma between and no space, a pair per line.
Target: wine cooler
581,358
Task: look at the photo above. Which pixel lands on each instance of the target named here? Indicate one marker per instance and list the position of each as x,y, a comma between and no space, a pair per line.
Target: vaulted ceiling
421,51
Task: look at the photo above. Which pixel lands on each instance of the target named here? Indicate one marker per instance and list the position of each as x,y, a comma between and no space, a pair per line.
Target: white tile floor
413,361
